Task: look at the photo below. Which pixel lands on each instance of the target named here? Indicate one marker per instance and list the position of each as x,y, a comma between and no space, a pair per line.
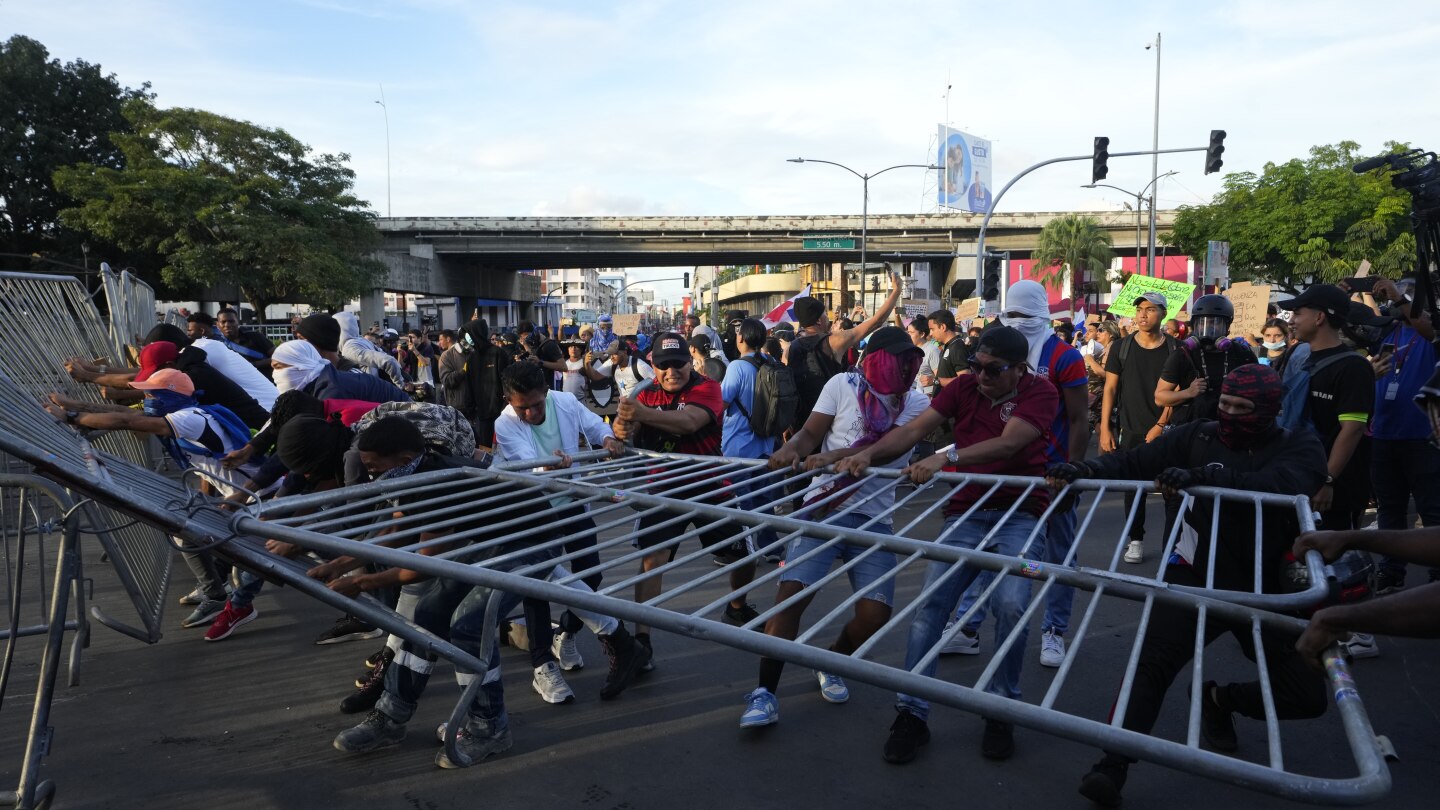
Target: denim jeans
446,607
1008,602
1399,470
246,589
754,503
1059,537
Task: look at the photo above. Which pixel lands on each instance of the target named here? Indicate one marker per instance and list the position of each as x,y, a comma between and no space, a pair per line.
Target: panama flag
786,310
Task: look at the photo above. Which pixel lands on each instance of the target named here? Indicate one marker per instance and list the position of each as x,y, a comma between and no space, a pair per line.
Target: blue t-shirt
1396,414
737,440
1065,368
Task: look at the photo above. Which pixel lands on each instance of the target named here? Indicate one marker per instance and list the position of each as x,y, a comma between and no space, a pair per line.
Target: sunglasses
671,365
976,367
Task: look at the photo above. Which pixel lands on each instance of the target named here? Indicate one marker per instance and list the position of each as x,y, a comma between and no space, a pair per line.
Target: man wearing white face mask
299,367
1027,310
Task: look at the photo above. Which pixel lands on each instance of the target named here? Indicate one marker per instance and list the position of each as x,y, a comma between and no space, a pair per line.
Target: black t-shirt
1139,377
550,352
1182,367
214,388
1344,388
954,358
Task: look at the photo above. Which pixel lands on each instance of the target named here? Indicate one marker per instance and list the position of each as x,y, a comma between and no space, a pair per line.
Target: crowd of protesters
1321,403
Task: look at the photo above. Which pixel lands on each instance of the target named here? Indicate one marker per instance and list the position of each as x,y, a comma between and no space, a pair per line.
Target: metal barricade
43,579
47,320
131,303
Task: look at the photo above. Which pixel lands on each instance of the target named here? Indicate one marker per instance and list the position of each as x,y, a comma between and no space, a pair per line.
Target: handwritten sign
968,310
626,324
1250,302
1176,294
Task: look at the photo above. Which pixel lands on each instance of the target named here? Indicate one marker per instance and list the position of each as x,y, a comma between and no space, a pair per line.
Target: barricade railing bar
43,578
55,320
131,304
707,494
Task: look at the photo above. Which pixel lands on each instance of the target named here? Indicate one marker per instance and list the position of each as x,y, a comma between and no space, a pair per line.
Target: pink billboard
1173,268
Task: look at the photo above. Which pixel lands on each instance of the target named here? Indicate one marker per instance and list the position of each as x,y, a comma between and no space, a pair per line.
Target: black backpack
811,367
777,401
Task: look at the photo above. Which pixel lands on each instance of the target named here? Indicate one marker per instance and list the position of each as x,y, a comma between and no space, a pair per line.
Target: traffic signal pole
980,253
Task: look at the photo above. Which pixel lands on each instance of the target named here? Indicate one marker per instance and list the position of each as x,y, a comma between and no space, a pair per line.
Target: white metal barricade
479,506
131,303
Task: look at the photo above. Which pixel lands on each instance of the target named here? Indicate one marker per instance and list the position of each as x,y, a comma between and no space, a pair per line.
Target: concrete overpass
476,257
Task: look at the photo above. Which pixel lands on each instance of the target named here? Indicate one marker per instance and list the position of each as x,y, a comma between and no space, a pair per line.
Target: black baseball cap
669,346
1326,298
1004,342
1361,315
891,339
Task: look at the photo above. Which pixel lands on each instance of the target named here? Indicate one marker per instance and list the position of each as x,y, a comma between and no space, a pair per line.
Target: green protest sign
1176,293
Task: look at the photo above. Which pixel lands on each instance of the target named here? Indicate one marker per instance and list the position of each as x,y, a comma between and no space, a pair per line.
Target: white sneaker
1052,649
1134,552
551,685
567,652
1361,645
962,644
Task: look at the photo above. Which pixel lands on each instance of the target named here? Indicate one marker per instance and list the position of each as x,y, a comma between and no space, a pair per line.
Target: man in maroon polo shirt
1002,412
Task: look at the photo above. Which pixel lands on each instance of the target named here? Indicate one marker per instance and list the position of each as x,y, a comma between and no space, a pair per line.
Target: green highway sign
829,243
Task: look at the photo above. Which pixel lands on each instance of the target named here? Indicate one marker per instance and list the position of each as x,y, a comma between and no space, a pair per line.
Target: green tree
1078,243
1304,220
51,115
228,201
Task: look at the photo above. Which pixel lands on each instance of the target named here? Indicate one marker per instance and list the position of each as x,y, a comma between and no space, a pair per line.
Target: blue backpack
1295,393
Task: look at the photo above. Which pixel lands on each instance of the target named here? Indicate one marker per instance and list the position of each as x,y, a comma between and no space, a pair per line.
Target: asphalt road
248,722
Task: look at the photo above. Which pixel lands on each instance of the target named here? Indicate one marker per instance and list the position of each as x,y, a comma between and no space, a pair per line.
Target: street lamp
1140,198
865,205
389,207
1155,156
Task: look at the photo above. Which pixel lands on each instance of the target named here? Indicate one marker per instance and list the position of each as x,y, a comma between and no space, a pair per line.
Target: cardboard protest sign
1250,302
1176,293
968,310
626,324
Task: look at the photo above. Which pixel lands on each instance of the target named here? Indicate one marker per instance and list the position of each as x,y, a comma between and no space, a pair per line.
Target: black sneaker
907,734
999,740
1217,726
377,656
1102,785
627,658
348,628
740,616
365,697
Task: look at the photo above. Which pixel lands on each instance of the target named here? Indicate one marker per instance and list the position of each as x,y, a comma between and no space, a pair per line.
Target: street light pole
389,206
865,206
1155,158
1140,199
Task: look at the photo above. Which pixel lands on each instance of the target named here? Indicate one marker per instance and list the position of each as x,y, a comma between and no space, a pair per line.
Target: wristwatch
1329,479
71,416
952,456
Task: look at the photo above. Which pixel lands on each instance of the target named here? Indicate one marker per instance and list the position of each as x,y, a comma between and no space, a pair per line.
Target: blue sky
659,107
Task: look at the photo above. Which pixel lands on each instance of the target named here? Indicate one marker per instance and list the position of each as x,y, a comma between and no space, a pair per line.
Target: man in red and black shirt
680,413
1003,413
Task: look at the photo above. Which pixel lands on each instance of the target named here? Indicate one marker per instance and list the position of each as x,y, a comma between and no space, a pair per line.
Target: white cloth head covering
305,364
1030,300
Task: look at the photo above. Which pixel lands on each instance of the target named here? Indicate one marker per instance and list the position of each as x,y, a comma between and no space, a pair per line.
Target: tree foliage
51,115
1077,242
228,201
1304,221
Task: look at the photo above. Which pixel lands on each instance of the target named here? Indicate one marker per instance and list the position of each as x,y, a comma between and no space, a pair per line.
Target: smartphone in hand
1361,285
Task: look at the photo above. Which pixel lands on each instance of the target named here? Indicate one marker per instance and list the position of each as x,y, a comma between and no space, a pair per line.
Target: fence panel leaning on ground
702,488
46,320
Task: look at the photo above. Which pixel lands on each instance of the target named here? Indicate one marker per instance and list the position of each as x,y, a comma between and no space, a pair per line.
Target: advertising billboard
965,171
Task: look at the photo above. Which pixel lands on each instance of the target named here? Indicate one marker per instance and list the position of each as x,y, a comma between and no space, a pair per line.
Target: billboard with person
964,162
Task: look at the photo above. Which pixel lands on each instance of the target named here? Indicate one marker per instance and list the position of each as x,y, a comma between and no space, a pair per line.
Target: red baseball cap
155,357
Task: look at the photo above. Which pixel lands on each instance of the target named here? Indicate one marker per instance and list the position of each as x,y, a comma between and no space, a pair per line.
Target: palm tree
1078,243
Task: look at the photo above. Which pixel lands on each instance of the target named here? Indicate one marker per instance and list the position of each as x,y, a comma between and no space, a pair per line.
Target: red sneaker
229,619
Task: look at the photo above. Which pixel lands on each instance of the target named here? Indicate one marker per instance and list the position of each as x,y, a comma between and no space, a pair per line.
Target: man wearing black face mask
1190,382
1243,450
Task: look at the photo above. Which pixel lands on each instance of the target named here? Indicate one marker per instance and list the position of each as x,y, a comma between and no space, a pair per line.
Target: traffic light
1214,151
687,281
1098,164
990,286
564,288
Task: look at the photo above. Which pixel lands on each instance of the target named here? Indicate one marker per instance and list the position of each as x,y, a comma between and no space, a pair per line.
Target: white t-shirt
625,376
839,398
191,425
574,381
238,369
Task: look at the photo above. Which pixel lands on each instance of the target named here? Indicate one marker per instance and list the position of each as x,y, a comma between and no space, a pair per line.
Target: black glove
1069,471
1177,478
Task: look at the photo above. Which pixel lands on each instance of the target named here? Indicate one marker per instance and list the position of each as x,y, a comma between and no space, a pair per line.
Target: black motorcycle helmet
1210,318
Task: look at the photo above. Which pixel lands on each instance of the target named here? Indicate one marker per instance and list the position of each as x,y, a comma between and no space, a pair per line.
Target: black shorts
718,538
